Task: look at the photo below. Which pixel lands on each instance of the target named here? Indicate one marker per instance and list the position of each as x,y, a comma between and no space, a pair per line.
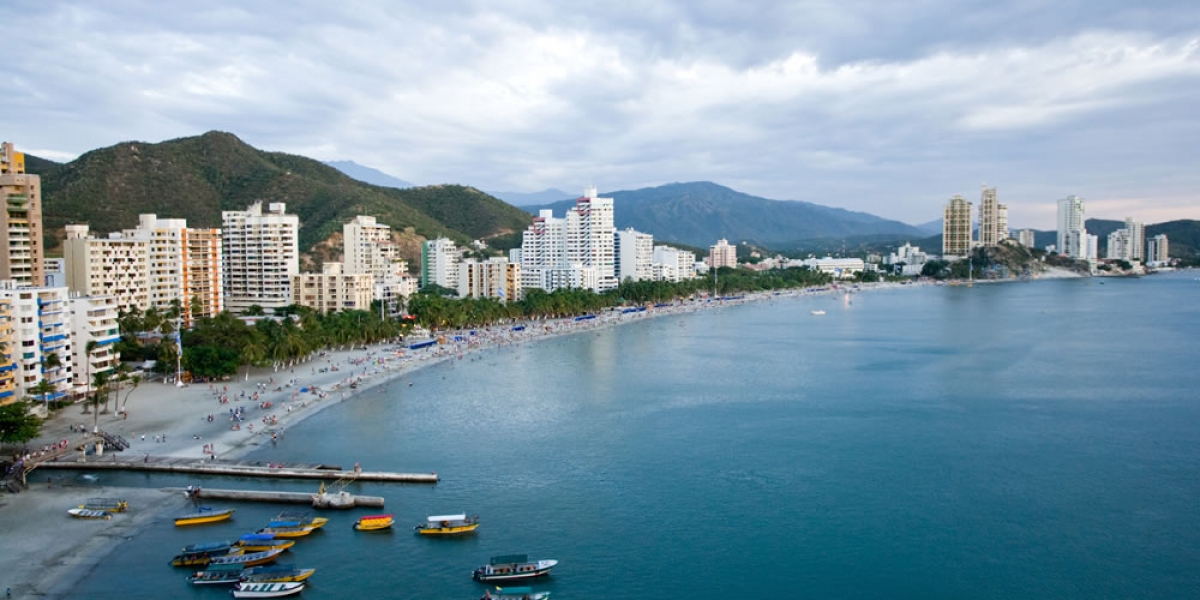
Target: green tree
43,389
17,424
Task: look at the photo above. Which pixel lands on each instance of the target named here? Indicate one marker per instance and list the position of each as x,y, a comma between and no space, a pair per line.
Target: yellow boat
204,515
448,525
374,522
297,519
253,542
288,532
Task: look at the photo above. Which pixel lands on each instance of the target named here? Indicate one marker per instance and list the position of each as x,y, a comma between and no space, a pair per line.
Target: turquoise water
1004,441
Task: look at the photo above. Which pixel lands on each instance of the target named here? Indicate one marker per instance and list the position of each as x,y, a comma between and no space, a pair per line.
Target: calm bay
1036,440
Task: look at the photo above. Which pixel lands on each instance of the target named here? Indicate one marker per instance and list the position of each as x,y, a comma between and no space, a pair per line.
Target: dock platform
274,496
238,469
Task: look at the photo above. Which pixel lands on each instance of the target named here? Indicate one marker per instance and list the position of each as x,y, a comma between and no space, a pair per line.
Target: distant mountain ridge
546,196
699,213
195,178
366,174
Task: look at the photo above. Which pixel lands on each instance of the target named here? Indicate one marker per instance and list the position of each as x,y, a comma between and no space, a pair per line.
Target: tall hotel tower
956,227
261,254
1072,237
993,218
21,229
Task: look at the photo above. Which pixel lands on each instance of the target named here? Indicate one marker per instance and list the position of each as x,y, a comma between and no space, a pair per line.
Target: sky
885,107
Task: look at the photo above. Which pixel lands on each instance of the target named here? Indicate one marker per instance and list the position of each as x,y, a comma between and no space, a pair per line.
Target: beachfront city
842,302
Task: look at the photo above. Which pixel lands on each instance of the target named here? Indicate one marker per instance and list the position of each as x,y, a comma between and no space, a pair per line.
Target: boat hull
294,575
458,530
267,590
247,560
288,532
203,518
514,572
264,545
87,513
374,525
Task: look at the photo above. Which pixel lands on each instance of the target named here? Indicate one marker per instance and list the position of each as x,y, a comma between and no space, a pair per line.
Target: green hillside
197,177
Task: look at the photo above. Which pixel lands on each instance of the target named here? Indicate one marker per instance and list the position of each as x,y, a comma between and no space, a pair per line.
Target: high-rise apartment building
1119,247
956,227
440,260
673,264
590,237
492,278
635,254
993,218
369,249
41,319
578,250
1072,237
115,266
21,230
261,256
1137,239
333,290
93,319
722,254
1026,238
1158,250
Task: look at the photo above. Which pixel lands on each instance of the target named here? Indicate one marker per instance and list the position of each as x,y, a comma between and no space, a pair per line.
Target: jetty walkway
237,469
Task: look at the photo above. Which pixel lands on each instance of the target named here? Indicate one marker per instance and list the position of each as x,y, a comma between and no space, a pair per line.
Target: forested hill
197,177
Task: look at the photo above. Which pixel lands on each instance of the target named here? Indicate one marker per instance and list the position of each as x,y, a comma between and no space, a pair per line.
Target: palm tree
89,348
44,389
133,385
100,382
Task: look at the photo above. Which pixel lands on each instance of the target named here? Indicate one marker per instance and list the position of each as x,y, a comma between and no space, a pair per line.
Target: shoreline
179,417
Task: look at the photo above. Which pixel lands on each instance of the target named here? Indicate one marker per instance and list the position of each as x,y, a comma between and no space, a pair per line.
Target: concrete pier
238,469
273,496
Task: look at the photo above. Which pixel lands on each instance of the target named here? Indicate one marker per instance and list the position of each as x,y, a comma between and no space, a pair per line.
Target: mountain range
366,174
699,213
196,178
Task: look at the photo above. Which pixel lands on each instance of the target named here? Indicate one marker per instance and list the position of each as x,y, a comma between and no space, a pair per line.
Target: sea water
1017,440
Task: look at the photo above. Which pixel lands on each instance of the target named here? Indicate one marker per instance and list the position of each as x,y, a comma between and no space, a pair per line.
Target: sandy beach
228,419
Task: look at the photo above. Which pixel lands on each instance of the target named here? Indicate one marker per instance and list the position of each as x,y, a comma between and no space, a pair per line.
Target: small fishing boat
199,555
817,313
108,504
287,532
513,566
247,559
87,513
374,522
448,525
217,574
257,542
514,593
204,515
267,590
276,573
297,519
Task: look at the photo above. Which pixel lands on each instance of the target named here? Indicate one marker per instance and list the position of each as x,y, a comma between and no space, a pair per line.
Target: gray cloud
884,107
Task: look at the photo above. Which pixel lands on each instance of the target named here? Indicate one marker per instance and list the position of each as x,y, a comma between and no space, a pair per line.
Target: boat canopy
440,518
510,559
257,537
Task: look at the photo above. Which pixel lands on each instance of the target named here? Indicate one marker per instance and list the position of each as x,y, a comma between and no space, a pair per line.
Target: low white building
840,268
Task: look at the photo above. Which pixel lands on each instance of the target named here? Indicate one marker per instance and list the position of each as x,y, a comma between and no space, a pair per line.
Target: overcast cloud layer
885,107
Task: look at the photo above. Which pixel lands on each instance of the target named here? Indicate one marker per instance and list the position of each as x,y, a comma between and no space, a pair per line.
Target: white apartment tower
1072,237
440,260
1026,238
370,250
115,266
492,278
41,320
1119,246
185,266
333,289
993,218
722,254
590,237
956,227
93,319
1157,250
261,256
1137,238
635,255
20,220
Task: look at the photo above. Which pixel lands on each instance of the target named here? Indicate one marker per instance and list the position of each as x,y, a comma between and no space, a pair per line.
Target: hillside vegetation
197,177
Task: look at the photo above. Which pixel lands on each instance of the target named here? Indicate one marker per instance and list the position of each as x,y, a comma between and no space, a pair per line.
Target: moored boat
276,573
297,519
287,532
374,522
257,542
204,515
513,566
817,313
202,557
247,559
108,504
87,513
217,574
514,593
267,590
448,525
